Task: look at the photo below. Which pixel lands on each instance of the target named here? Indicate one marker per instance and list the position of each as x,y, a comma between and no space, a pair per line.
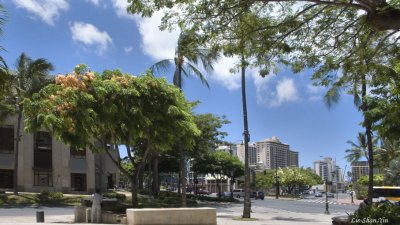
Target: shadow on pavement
293,219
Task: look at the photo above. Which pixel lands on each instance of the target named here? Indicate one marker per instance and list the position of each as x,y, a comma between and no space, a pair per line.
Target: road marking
322,201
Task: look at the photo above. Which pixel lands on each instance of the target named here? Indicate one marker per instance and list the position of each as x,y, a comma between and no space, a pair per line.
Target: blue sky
102,35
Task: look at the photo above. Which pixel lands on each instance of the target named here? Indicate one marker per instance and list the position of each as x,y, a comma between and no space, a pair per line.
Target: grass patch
244,219
24,199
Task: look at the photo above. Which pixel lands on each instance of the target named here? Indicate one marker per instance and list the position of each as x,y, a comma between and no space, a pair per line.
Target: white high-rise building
270,153
329,171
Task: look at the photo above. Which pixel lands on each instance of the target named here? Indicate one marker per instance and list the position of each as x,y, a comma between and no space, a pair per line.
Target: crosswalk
322,201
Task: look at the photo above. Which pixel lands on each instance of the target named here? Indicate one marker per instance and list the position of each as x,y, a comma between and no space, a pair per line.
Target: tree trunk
182,168
134,191
141,180
368,132
156,184
16,152
218,186
246,206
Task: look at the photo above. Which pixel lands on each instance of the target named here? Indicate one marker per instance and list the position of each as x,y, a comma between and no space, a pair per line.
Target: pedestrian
96,207
364,204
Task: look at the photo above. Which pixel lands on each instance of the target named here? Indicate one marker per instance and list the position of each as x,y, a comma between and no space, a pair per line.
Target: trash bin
39,216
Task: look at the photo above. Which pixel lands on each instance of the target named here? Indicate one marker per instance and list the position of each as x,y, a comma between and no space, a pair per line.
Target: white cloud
94,2
89,35
272,91
157,44
315,93
222,73
46,10
312,89
286,91
128,49
120,9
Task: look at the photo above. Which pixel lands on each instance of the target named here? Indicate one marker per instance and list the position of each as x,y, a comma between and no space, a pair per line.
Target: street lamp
326,197
276,176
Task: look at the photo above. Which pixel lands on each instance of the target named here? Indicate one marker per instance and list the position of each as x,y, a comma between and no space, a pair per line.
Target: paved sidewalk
225,215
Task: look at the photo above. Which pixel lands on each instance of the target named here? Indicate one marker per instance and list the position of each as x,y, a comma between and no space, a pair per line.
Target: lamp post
276,176
326,197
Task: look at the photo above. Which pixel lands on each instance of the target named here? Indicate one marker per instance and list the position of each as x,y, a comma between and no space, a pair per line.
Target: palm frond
332,96
193,70
162,66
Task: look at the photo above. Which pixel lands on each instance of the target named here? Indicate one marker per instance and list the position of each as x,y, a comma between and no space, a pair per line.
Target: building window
43,140
43,178
7,139
78,153
78,182
42,150
6,178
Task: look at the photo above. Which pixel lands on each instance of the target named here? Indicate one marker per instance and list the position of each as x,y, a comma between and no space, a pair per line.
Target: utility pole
276,176
326,197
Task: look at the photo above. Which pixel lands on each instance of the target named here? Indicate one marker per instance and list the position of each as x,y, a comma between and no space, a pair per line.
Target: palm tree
188,55
388,151
358,150
392,173
28,78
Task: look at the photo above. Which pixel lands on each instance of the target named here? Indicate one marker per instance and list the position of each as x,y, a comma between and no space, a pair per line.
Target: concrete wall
62,164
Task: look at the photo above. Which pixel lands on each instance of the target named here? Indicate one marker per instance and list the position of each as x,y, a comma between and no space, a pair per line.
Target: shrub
45,195
118,196
3,199
144,192
377,214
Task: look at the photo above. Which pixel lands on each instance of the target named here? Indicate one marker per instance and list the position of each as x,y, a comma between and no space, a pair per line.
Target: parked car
238,193
203,192
260,195
318,194
330,195
225,194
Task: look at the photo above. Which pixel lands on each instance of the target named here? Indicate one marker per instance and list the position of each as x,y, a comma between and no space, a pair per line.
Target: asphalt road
303,207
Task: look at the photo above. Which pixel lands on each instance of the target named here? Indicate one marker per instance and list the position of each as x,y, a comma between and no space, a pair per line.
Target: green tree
387,152
221,165
378,180
104,111
325,35
265,180
290,177
28,78
392,173
188,54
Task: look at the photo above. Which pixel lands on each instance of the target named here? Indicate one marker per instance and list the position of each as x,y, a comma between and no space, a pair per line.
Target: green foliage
392,173
118,196
219,163
378,180
265,180
377,214
3,199
143,113
49,196
291,177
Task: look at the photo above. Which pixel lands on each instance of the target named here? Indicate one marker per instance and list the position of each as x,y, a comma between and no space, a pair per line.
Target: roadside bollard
88,215
39,216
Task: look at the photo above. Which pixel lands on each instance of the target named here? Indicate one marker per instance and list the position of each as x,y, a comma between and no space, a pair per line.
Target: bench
169,216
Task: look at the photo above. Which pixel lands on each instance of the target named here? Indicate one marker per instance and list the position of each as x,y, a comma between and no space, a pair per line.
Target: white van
238,193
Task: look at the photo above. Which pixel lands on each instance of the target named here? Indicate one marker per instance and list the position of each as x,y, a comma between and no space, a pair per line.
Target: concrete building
232,149
252,153
329,171
272,153
293,158
47,164
359,169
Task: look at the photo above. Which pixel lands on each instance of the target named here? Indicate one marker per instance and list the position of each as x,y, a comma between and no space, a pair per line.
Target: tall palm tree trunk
246,206
156,184
16,153
368,132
